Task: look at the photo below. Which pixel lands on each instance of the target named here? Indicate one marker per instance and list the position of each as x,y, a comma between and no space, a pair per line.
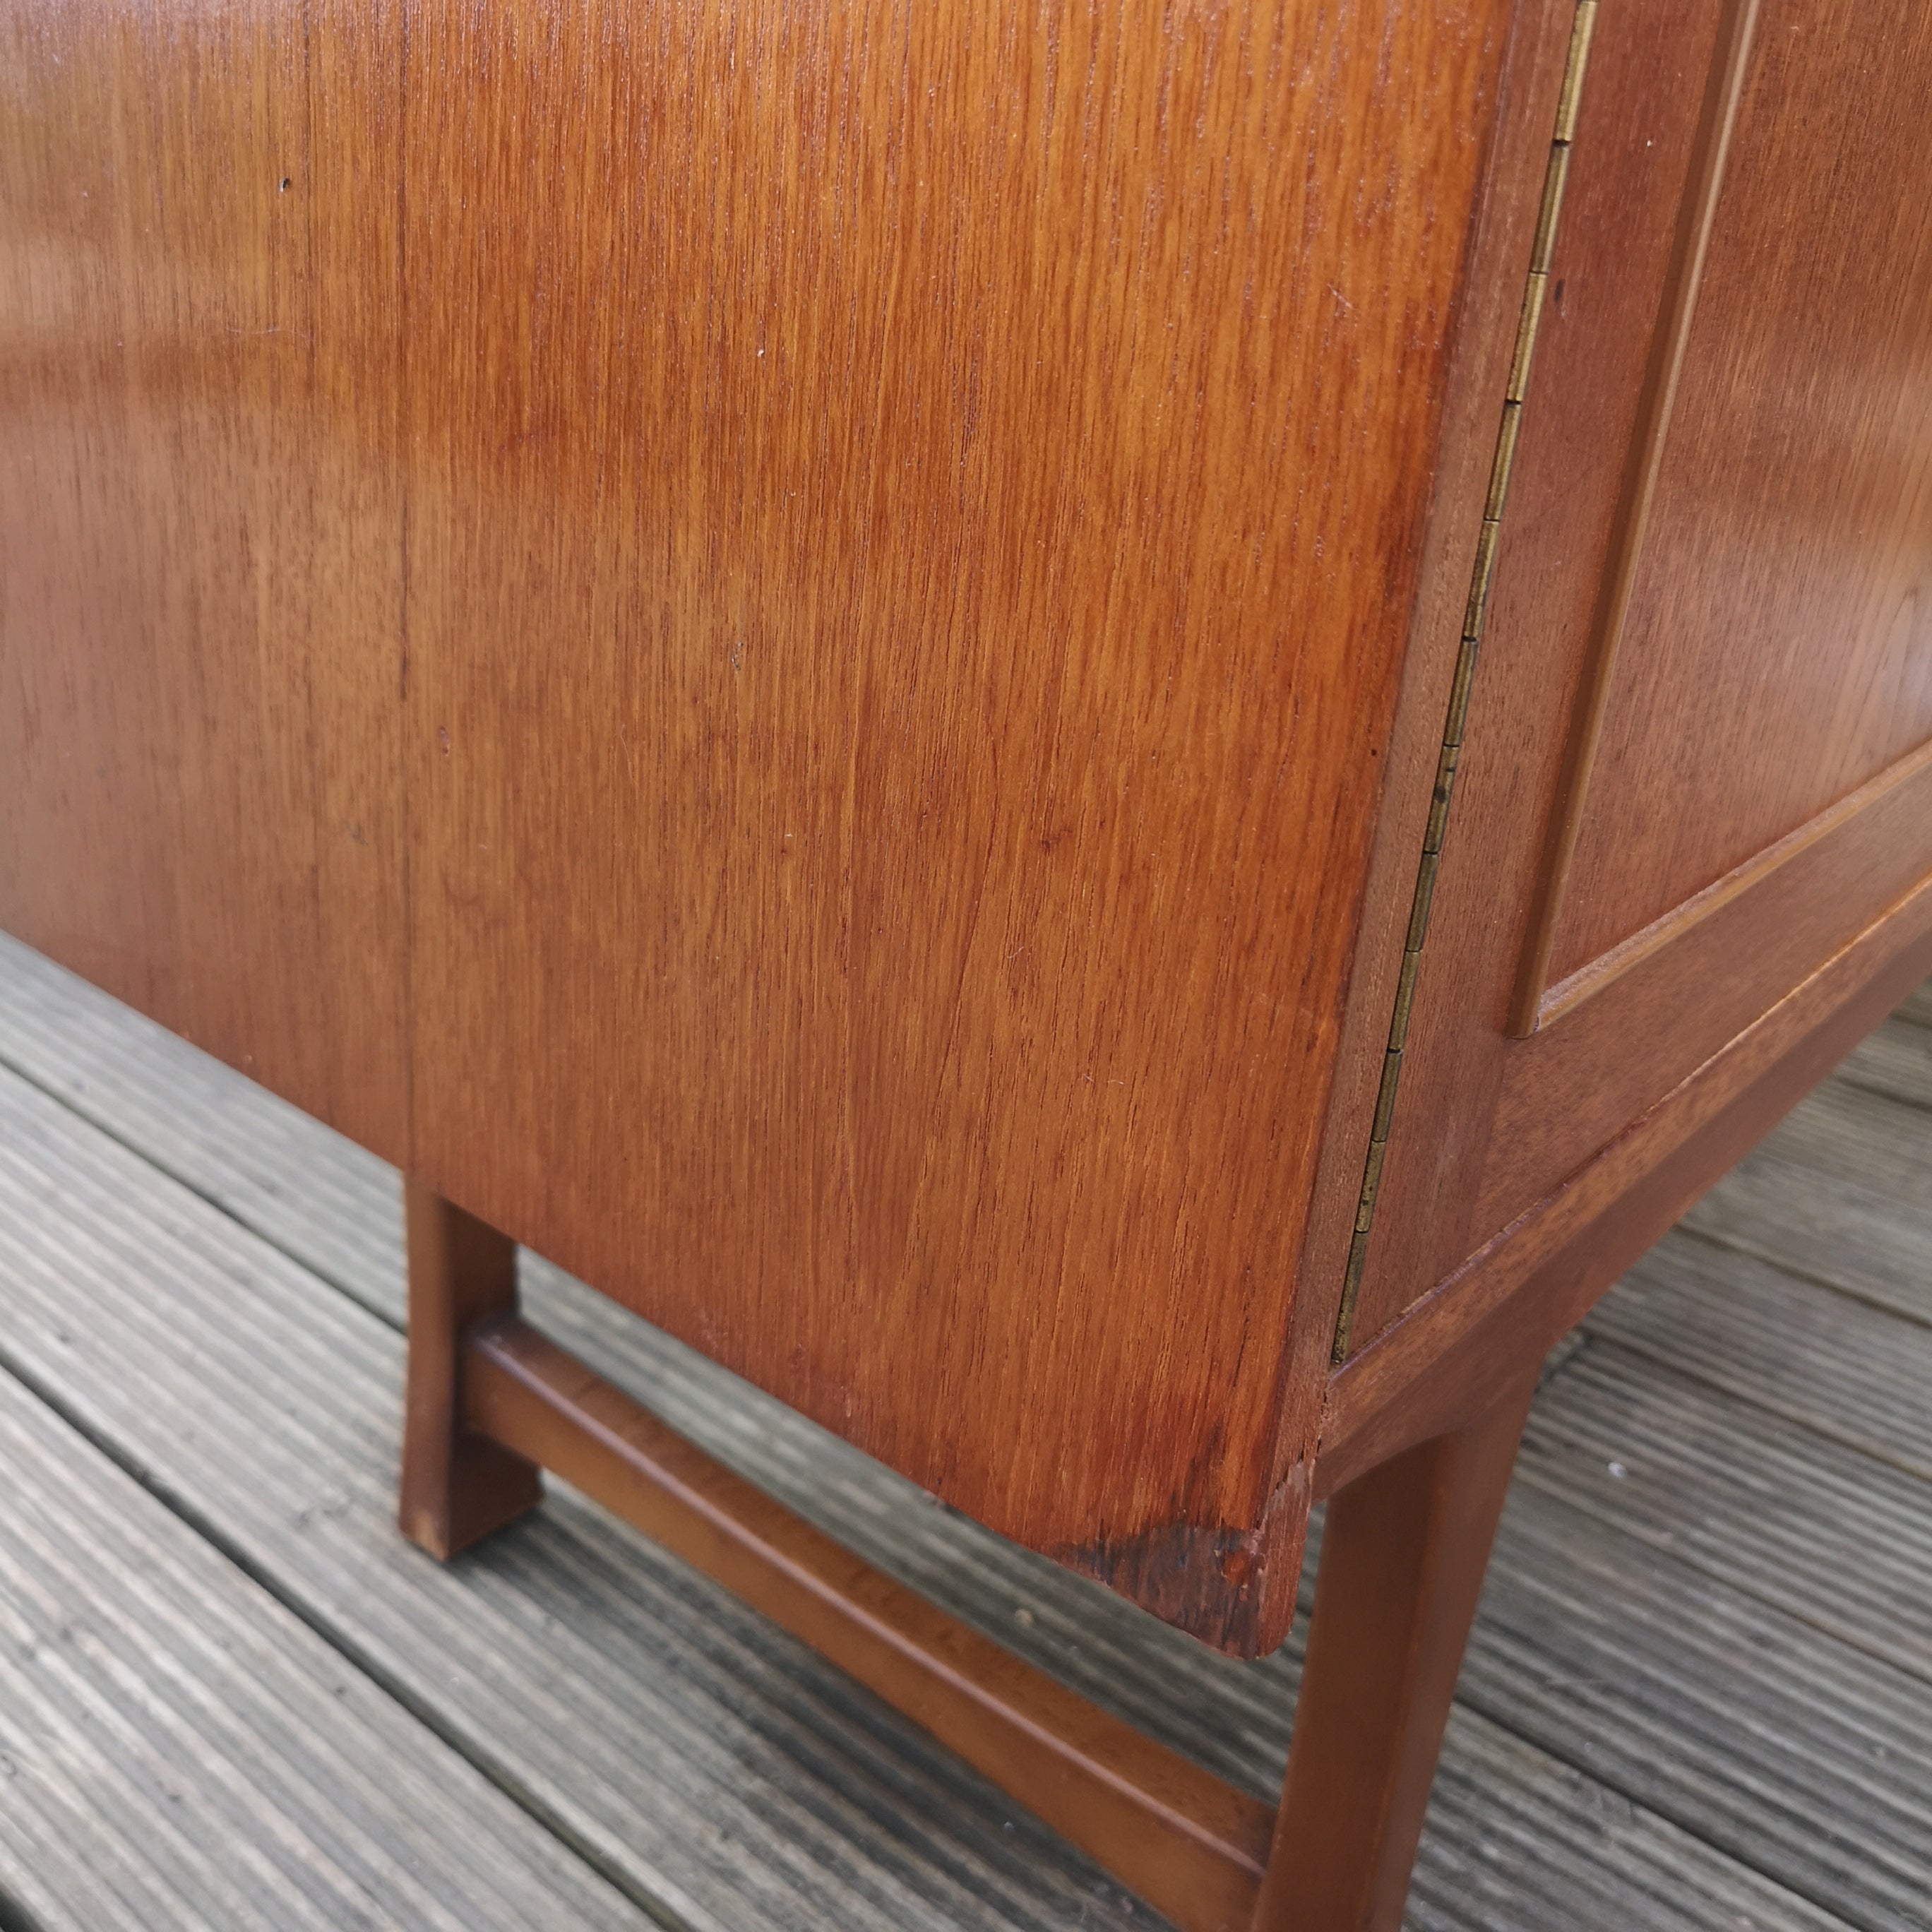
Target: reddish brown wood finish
1402,1556
1498,1315
889,789
780,672
1402,1564
457,1485
1501,247
1191,1845
805,606
800,654
1645,366
1802,396
201,533
1782,601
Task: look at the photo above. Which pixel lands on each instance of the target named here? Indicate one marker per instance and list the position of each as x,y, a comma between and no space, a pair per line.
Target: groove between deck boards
1817,1531
190,1754
652,1726
265,1400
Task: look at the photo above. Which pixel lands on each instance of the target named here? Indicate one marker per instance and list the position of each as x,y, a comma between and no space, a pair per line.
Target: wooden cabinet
1111,742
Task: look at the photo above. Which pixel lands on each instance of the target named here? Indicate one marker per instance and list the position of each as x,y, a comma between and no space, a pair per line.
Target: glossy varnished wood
1540,51
1502,1311
801,656
916,519
763,644
1781,608
1191,1845
202,515
456,1486
1633,362
1630,168
802,664
1499,1141
1402,1557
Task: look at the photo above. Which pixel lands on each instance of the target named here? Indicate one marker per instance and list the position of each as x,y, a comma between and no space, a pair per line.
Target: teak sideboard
1112,740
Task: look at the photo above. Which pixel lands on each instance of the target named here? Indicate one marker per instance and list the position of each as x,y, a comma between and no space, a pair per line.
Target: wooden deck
1699,1695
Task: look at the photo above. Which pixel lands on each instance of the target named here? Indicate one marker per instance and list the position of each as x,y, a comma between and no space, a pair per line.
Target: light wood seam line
1606,968
1534,294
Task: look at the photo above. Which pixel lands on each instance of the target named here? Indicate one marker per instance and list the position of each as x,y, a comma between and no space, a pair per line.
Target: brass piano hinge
1534,295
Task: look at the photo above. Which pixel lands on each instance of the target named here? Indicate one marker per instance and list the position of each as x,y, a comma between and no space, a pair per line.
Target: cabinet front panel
1776,653
202,530
1696,765
913,518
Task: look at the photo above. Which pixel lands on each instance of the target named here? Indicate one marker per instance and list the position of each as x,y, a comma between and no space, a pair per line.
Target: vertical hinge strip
1542,254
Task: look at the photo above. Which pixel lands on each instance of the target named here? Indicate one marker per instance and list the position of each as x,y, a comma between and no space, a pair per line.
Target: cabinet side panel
914,524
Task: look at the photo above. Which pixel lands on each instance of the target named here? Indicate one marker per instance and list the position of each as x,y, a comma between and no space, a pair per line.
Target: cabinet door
1697,777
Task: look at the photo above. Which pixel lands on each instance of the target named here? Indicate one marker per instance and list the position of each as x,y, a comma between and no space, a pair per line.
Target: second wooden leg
1403,1560
456,1486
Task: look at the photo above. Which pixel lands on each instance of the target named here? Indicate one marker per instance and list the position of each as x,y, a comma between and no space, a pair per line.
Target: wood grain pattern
1502,249
1629,168
1522,1290
457,1487
1191,1845
913,526
1741,960
1782,608
1657,353
783,651
1841,829
1403,1553
1496,1142
761,642
201,531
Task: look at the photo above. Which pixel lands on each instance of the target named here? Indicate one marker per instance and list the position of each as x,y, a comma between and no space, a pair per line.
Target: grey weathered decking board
1834,1233
177,1750
318,1197
1819,1532
558,1650
1804,1758
1918,1008
1833,1364
1567,1836
1838,1194
1896,1061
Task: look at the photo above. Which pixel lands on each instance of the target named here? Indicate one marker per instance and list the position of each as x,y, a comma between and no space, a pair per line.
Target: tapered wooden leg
1402,1559
456,1486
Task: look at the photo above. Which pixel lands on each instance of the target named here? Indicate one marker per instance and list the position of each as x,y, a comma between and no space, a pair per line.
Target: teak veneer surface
203,520
760,642
965,468
1693,816
1780,607
800,658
